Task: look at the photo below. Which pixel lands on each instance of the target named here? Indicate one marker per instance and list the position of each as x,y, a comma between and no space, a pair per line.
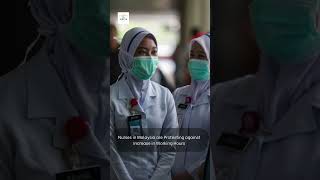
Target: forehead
147,42
196,47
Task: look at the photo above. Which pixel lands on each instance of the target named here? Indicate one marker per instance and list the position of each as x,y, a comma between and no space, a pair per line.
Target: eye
154,52
142,52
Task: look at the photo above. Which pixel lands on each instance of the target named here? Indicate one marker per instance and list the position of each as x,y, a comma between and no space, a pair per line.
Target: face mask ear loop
120,76
30,47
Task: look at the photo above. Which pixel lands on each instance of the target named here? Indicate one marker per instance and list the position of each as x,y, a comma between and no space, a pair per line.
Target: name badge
182,106
234,141
87,173
135,126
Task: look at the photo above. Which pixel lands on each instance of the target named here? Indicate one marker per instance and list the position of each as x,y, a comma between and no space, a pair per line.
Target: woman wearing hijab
141,107
267,126
193,109
52,112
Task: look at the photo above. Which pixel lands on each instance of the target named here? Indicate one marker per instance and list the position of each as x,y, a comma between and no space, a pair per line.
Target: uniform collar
189,93
246,92
46,94
125,92
47,98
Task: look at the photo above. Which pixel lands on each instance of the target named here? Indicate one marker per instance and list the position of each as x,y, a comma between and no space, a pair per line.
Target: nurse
266,126
193,109
53,117
140,106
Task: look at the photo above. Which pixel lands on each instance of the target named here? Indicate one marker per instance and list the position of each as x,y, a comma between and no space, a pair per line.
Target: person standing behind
193,109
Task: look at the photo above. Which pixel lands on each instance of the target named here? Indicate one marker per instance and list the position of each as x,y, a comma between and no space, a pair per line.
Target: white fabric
282,84
83,76
196,116
34,108
133,39
200,86
291,151
159,118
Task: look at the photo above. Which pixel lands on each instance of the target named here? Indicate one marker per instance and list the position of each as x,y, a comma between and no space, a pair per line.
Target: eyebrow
147,48
201,52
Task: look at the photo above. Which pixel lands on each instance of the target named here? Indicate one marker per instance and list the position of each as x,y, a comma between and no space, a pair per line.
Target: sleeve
119,168
169,128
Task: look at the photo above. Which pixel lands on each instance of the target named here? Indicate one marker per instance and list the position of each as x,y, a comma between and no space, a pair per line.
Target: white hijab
198,87
84,77
128,46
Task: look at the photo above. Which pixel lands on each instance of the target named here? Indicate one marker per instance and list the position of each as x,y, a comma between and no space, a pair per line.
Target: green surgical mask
199,69
144,67
286,31
88,28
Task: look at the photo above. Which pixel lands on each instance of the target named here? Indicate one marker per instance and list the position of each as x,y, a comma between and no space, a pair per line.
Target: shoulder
114,93
240,86
159,88
12,84
114,88
182,90
14,77
12,97
241,82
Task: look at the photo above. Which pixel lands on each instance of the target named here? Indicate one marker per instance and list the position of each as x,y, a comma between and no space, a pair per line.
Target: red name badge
250,123
76,129
133,102
188,100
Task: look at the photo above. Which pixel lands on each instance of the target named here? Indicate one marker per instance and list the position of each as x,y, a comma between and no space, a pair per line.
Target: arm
169,128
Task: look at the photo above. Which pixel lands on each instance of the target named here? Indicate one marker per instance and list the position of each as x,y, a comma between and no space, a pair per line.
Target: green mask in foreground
88,29
286,30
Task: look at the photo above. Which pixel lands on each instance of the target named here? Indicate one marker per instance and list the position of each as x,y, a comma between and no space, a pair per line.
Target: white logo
123,18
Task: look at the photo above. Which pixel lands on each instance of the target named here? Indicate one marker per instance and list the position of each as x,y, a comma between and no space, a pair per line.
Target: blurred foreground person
266,126
53,118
